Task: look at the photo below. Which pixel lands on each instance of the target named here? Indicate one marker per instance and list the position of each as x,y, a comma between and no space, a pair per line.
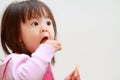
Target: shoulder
11,62
17,59
14,60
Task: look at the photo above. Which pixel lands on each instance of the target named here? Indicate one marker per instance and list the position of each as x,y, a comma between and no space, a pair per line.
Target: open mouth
44,40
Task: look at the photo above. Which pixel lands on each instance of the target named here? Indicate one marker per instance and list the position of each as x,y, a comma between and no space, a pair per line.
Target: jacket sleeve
23,67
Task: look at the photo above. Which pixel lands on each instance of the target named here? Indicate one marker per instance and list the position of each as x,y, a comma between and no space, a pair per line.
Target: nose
43,29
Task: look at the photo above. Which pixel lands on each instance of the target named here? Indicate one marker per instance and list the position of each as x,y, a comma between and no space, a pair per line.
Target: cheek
31,41
32,44
52,34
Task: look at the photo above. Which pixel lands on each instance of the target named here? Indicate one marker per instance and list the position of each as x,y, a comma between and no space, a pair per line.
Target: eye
35,24
48,23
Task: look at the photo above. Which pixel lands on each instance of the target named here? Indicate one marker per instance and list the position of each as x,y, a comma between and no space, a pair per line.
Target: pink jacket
23,67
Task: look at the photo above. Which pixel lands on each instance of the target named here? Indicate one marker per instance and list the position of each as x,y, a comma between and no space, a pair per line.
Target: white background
90,34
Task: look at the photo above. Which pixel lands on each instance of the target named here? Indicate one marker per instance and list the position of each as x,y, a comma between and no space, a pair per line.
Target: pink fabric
23,67
48,74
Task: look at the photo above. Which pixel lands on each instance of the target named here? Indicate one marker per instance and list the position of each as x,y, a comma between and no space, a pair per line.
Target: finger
71,74
59,43
58,48
77,77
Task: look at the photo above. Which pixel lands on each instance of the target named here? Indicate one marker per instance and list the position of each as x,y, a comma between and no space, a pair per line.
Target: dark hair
12,17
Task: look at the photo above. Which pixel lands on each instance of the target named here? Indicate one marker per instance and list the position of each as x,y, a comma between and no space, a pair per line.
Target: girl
28,31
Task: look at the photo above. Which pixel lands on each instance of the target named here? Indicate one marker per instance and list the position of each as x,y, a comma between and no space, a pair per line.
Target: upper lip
44,39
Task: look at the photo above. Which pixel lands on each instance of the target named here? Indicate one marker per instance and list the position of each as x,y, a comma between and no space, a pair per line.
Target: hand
55,44
72,77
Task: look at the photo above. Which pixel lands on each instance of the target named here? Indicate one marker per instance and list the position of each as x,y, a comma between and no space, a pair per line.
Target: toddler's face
36,31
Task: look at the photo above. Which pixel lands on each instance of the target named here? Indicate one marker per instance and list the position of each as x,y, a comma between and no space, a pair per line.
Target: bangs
34,9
